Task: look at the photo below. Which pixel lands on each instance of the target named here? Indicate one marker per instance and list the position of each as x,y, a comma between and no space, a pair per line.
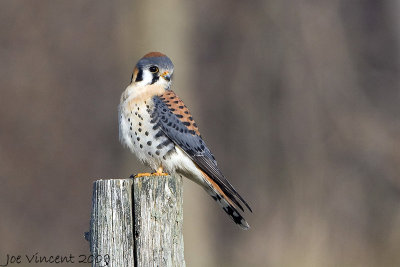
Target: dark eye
153,69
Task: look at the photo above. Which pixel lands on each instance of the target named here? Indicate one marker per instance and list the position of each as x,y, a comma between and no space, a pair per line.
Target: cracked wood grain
137,222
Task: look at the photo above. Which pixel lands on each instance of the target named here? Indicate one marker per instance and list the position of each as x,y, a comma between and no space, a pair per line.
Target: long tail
225,202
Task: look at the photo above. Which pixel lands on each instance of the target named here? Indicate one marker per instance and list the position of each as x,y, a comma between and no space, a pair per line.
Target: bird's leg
160,172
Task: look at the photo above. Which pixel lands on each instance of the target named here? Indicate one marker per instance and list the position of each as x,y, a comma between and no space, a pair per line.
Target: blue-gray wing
174,119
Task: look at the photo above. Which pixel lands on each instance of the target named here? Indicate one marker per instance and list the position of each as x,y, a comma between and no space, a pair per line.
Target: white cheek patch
147,77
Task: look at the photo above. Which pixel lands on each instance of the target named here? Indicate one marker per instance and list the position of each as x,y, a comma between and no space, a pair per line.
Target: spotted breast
140,131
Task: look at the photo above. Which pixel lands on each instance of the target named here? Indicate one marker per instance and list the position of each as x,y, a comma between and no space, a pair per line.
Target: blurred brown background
299,101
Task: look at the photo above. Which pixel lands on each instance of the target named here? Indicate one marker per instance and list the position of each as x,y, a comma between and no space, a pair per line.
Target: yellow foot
142,174
149,174
160,174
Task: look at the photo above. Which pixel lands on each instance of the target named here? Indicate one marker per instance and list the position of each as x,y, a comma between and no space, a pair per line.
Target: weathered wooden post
137,222
111,228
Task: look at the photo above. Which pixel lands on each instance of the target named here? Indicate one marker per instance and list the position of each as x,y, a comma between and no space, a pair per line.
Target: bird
158,128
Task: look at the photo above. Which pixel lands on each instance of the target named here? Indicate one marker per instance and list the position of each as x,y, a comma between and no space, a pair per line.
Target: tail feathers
229,209
225,202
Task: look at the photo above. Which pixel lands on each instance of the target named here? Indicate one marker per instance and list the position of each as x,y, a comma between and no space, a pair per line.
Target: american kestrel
158,128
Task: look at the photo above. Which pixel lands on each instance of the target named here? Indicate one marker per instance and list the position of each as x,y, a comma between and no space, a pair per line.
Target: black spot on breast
158,152
181,107
155,127
140,124
146,133
130,128
140,129
186,123
202,147
141,146
192,132
172,109
149,153
186,112
135,133
138,108
195,125
165,143
149,143
138,138
190,118
176,102
129,119
170,151
179,116
158,134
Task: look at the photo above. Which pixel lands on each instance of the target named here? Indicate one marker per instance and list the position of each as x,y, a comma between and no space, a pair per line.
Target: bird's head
153,68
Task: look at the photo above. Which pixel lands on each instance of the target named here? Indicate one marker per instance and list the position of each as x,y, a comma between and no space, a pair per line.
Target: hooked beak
167,76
